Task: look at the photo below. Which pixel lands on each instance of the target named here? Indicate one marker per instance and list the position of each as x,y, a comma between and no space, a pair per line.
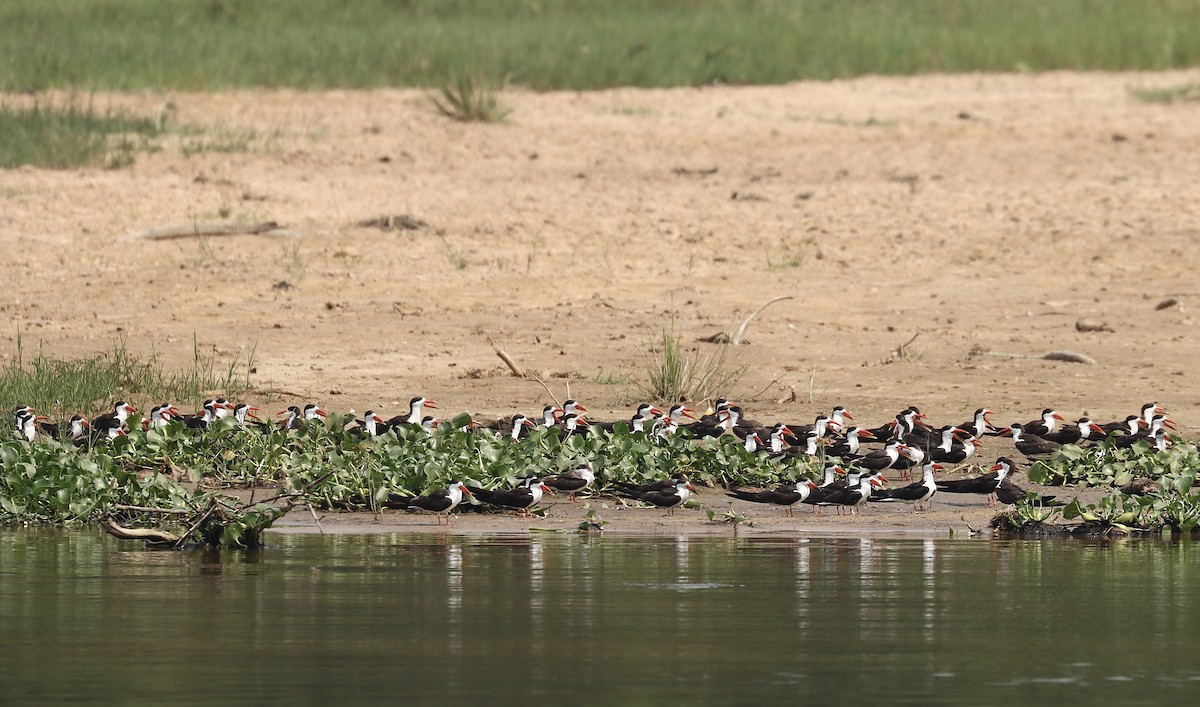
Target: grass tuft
469,98
1175,94
676,375
64,387
70,135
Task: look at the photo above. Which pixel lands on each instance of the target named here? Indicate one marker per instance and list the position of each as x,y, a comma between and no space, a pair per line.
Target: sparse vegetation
1175,94
222,142
604,377
469,99
71,134
88,385
675,374
453,256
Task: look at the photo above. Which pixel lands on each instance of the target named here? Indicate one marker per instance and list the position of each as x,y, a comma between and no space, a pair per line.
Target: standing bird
1043,425
920,493
854,496
979,424
670,499
849,446
441,502
953,450
1031,445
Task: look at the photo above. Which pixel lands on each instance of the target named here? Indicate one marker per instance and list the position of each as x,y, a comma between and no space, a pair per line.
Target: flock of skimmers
909,442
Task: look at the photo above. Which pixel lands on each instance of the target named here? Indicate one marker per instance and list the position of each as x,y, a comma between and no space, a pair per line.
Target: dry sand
983,214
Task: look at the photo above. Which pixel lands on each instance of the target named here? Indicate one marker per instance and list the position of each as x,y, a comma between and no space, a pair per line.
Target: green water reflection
598,620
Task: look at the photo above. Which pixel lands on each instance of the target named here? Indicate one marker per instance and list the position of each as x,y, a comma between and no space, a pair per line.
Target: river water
570,619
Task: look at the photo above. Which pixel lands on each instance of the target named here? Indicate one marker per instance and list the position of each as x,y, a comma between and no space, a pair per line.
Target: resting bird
578,479
1009,493
786,495
522,498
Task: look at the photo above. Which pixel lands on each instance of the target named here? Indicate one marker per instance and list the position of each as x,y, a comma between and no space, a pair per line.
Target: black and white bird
920,494
440,502
574,481
416,412
786,495
522,498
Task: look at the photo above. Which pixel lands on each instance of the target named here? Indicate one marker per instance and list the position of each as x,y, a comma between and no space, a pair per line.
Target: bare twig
316,519
147,509
737,338
764,389
902,350
211,509
297,494
548,391
508,360
193,230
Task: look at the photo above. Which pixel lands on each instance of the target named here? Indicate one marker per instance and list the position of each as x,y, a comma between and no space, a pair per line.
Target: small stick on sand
764,389
737,338
548,391
508,360
264,228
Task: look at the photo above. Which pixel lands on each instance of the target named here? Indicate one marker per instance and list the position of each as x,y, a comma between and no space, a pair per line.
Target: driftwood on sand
270,229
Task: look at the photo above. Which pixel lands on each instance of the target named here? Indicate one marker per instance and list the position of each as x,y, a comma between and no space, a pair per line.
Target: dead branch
316,519
508,360
737,338
1061,355
902,350
764,389
147,509
212,507
1068,356
294,494
148,534
264,228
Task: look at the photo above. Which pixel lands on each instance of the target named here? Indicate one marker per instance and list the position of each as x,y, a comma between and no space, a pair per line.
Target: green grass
1175,94
70,134
674,374
570,44
469,99
61,388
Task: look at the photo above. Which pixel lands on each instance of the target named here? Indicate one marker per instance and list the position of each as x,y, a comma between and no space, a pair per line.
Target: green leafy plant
730,516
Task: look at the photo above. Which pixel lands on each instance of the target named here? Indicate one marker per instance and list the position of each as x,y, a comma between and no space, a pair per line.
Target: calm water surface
599,620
